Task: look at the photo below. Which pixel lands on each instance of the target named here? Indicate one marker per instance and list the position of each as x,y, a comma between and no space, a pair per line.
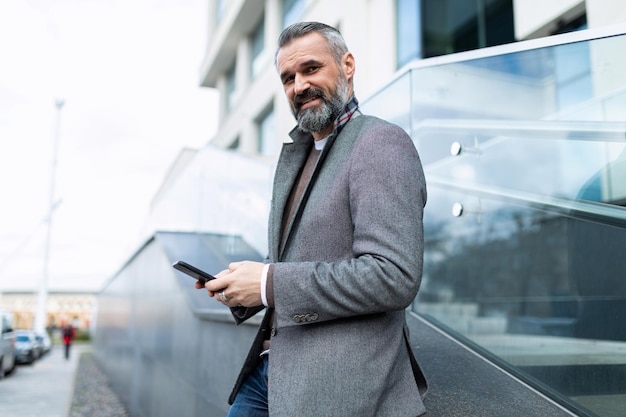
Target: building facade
384,36
77,309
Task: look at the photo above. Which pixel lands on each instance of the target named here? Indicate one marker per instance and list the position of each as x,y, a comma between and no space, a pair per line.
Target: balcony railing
524,152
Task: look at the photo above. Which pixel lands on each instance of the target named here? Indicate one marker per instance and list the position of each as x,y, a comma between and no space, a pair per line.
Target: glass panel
525,226
392,103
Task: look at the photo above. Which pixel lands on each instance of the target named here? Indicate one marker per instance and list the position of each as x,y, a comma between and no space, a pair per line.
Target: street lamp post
42,290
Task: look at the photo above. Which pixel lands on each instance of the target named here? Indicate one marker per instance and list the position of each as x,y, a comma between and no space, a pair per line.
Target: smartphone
192,271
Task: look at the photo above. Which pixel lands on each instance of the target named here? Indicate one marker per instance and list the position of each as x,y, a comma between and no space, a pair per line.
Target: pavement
43,389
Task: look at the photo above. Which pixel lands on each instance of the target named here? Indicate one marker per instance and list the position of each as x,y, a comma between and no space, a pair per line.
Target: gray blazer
351,264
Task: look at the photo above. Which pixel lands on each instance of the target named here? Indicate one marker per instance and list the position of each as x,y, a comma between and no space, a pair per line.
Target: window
234,145
428,28
220,8
579,23
458,25
231,88
257,46
267,133
409,31
292,11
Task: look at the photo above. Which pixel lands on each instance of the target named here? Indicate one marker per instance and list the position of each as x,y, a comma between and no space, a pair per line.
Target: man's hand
240,284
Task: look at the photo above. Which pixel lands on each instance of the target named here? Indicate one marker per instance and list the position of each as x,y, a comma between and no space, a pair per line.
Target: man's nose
300,84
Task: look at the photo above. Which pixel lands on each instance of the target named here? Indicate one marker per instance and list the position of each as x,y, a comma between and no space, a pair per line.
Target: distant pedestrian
68,336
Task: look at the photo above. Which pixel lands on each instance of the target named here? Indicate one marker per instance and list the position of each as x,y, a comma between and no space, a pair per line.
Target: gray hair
335,42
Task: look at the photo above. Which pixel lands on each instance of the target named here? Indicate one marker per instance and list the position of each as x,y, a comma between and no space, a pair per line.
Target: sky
127,74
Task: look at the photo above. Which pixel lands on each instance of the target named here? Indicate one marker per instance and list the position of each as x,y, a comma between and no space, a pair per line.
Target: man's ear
348,65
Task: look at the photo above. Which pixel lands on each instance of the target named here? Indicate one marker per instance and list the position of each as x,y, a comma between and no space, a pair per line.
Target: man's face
316,87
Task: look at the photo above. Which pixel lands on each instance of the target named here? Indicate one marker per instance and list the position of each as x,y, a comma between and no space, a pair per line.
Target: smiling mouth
301,101
307,101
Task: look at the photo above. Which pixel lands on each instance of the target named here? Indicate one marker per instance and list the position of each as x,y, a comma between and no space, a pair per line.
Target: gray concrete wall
168,349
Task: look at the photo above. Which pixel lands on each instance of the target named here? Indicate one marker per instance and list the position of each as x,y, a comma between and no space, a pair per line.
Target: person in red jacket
68,336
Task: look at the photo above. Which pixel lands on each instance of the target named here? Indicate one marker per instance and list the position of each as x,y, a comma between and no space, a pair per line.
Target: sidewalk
43,389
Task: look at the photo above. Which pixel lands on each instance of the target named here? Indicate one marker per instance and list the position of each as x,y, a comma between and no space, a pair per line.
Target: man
345,255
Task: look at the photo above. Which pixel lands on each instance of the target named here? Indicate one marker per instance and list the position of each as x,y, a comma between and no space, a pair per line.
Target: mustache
307,95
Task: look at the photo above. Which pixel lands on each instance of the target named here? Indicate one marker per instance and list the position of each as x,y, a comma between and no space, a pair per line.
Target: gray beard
318,119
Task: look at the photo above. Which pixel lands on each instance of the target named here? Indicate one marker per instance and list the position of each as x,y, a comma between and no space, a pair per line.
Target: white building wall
529,23
535,18
605,12
600,13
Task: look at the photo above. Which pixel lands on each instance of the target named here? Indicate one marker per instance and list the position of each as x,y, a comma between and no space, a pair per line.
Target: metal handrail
589,210
536,129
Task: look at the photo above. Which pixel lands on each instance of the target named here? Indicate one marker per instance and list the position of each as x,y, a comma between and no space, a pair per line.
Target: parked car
27,346
7,344
44,342
38,345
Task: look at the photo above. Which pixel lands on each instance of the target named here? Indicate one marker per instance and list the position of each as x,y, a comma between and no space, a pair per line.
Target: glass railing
524,150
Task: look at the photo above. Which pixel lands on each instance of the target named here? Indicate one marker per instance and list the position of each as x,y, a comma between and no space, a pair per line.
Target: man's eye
312,69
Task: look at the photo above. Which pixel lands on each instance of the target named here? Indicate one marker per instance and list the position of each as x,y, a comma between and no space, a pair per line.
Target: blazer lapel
300,204
293,159
290,163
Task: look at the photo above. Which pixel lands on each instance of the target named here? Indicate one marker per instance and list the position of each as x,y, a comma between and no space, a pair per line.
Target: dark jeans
67,350
251,400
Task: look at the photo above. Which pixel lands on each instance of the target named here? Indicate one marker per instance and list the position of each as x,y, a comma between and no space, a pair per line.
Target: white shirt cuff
264,284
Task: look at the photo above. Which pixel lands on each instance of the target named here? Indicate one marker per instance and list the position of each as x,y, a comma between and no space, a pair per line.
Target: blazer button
297,318
314,316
